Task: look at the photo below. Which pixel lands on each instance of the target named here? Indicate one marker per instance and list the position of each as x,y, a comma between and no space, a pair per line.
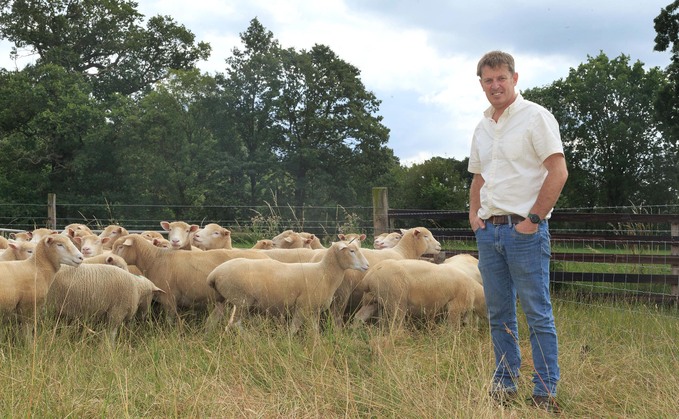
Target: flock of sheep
114,275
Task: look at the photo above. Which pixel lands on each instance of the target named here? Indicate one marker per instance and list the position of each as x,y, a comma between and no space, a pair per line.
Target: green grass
616,361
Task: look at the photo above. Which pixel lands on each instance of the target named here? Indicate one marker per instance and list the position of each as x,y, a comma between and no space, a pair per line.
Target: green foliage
615,153
667,102
328,122
438,183
102,40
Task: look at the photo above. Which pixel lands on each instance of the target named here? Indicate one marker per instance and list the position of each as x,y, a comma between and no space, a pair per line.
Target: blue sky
419,57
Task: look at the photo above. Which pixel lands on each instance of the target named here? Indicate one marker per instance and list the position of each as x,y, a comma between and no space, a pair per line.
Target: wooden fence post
675,251
380,211
52,211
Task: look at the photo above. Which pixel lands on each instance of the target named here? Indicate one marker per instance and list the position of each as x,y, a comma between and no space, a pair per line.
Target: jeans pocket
525,236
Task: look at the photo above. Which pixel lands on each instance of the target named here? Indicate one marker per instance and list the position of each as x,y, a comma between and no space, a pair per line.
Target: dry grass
615,361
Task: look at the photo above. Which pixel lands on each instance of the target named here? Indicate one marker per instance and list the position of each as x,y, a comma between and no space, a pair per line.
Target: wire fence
631,255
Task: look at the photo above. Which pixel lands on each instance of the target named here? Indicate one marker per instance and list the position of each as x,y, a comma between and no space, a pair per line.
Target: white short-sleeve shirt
509,155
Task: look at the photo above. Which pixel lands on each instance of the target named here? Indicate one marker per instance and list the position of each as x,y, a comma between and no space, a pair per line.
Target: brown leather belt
506,219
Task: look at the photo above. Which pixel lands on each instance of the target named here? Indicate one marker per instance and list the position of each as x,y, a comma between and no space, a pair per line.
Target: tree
48,115
436,184
330,126
615,153
102,40
168,150
250,90
667,103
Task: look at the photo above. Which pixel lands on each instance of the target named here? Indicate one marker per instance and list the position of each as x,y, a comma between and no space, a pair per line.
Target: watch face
534,218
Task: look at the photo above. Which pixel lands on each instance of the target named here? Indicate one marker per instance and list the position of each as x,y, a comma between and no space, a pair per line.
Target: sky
419,57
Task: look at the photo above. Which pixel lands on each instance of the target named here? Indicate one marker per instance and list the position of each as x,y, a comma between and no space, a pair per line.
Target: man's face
498,84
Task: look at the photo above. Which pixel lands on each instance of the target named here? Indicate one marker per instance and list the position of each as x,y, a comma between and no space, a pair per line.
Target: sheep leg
216,315
364,313
339,302
456,311
28,330
397,315
236,315
301,316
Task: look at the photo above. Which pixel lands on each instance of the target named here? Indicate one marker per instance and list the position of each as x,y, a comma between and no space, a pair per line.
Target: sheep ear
109,260
11,243
288,239
341,236
362,237
193,228
128,241
227,232
78,239
403,231
105,239
165,225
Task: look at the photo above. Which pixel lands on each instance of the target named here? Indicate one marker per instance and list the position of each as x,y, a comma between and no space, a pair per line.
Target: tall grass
616,361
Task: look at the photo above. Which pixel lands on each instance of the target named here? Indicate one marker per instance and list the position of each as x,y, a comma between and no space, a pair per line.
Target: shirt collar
488,113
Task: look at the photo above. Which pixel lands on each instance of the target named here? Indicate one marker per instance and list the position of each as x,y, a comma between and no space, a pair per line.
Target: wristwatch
534,218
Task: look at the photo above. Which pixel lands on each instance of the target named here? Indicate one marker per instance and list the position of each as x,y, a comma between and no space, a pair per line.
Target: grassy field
616,361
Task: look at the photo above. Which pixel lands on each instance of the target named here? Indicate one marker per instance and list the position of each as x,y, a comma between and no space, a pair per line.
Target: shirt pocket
513,148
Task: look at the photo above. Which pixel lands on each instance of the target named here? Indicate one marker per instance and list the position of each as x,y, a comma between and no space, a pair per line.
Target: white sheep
263,244
421,289
97,291
352,238
180,234
24,283
38,234
113,232
91,244
386,240
311,240
289,239
76,230
110,259
4,243
212,236
294,255
468,263
162,243
414,243
299,289
17,250
150,235
180,274
23,236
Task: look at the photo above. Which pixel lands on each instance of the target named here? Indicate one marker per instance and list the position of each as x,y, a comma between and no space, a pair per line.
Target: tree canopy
616,155
103,40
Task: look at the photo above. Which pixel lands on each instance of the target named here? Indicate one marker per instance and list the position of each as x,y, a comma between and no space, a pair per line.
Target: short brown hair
495,59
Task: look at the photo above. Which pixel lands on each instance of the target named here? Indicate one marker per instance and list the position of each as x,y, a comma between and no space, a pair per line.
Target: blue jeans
511,264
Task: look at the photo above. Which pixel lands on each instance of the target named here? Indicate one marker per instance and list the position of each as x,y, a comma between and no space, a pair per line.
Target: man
519,171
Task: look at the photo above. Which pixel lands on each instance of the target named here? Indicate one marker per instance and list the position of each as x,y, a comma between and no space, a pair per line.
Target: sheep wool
24,283
99,291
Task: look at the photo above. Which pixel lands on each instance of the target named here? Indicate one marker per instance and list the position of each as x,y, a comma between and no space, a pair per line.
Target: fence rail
626,251
647,244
